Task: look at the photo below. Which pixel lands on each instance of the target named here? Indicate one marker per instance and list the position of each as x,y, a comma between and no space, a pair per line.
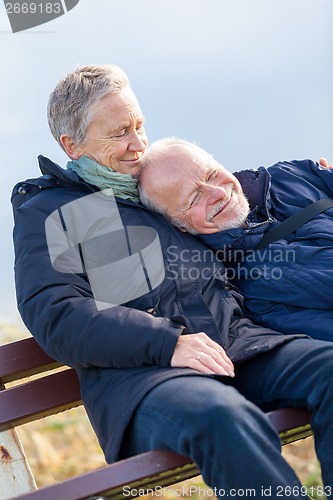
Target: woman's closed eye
120,135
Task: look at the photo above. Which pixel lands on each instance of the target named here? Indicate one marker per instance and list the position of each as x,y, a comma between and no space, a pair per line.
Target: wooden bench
57,391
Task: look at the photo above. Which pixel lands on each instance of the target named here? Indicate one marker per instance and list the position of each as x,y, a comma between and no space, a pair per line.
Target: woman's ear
73,151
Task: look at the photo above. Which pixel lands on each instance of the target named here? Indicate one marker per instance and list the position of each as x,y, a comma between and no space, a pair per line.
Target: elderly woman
109,287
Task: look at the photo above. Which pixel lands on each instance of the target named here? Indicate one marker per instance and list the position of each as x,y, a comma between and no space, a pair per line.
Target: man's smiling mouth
218,209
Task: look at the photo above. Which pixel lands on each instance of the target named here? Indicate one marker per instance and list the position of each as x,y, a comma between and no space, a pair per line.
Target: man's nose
137,142
215,193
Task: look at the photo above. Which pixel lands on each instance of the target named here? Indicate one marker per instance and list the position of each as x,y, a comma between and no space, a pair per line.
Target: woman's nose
138,142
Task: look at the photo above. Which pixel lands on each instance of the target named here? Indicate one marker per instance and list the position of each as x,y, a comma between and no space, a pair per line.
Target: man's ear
71,148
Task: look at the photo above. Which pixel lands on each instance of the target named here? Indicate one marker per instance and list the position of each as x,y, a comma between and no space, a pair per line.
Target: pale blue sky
249,80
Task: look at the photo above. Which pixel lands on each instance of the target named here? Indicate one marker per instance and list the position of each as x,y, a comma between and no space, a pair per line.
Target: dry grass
61,446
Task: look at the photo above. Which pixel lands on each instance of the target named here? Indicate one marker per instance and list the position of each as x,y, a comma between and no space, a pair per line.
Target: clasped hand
201,353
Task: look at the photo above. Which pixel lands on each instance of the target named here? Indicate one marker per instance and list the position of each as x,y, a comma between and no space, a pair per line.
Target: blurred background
248,80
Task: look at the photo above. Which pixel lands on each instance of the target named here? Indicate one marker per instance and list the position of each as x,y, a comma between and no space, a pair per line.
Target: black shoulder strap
289,225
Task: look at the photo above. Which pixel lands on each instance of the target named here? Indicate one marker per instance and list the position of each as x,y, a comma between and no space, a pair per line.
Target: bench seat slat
155,468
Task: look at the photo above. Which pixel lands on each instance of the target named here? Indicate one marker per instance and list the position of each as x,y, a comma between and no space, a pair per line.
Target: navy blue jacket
288,285
122,352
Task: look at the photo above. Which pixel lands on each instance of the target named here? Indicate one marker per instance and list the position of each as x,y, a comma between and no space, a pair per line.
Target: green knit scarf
123,185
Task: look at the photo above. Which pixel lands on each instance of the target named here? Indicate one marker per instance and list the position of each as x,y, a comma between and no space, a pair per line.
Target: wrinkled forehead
114,106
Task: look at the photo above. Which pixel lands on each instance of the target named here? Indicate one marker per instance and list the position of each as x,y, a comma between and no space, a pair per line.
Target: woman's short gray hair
72,103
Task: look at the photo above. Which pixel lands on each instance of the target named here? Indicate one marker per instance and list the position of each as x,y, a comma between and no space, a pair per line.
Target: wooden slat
155,468
291,423
34,399
287,418
23,358
39,398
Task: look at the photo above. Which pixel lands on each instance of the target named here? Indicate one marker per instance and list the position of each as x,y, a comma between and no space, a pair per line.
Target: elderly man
287,285
166,360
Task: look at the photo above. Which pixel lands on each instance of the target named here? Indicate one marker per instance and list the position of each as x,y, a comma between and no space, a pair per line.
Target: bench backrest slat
55,392
39,398
23,358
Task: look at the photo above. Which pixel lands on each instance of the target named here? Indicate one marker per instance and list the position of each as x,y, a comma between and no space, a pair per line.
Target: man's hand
324,163
201,353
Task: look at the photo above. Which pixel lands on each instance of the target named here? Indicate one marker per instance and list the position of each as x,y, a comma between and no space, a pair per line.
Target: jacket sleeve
305,177
60,311
325,175
290,319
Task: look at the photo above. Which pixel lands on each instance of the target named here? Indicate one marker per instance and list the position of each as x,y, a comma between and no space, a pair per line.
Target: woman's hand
201,353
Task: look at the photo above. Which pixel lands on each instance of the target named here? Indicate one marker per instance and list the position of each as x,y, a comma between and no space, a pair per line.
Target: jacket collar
64,176
256,187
